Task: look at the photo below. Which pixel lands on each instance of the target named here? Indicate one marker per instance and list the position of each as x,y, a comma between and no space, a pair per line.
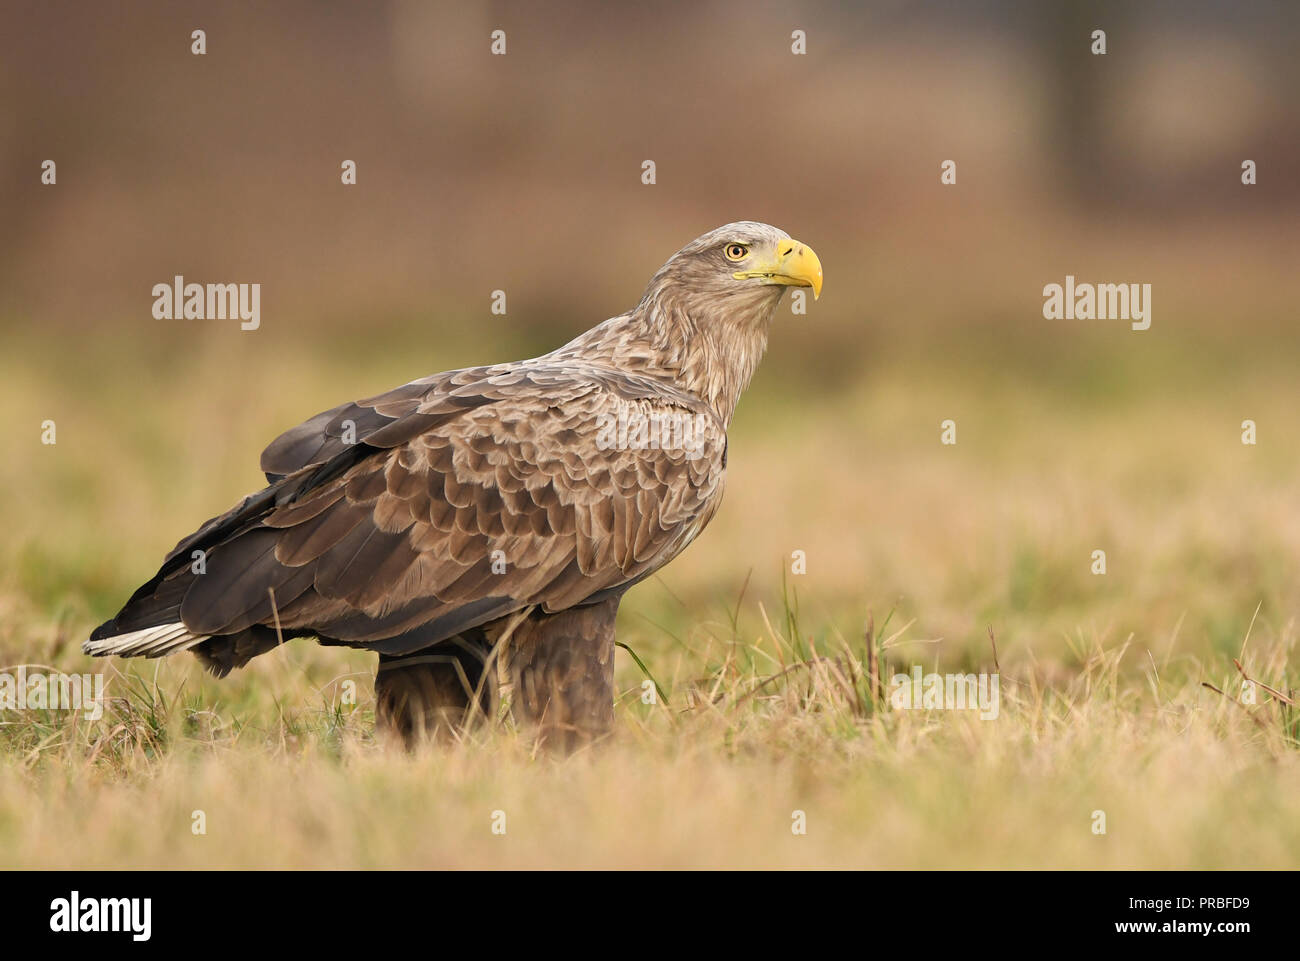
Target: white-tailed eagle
516,502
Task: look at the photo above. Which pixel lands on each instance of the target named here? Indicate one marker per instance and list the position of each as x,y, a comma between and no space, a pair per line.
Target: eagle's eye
736,251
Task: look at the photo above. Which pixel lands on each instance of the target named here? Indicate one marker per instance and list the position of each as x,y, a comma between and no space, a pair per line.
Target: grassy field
1123,445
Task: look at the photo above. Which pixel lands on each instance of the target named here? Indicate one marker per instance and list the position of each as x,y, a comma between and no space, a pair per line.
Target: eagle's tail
147,642
220,654
150,623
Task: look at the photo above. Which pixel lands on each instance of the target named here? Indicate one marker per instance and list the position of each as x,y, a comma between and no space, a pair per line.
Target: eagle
477,528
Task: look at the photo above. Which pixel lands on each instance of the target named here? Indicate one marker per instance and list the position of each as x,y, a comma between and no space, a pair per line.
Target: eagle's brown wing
407,411
407,518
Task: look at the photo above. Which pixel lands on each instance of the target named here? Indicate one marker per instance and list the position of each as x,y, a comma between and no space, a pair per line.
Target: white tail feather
149,642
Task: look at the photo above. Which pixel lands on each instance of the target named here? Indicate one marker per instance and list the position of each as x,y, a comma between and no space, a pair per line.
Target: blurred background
523,173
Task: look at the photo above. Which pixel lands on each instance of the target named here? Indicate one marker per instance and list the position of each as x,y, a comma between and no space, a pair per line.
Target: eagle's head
738,266
703,320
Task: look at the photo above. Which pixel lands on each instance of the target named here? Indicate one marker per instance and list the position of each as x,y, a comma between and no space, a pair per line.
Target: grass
773,695
1185,776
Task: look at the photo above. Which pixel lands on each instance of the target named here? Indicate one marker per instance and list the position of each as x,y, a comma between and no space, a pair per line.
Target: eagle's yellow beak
793,264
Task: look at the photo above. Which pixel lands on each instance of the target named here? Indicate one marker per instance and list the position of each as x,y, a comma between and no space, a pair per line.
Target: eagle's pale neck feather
706,344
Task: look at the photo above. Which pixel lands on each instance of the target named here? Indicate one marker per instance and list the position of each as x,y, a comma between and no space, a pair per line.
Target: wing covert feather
478,492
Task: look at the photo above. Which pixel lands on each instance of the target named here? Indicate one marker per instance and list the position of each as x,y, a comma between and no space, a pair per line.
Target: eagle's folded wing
453,501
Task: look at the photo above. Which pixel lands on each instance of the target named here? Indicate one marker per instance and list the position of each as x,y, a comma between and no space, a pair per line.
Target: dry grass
770,705
1186,777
